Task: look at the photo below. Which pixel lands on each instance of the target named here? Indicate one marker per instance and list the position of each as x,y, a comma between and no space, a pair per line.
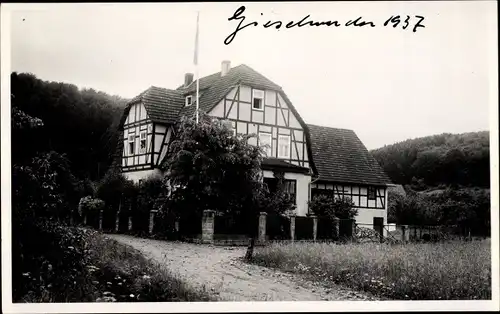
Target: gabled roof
340,156
162,105
214,87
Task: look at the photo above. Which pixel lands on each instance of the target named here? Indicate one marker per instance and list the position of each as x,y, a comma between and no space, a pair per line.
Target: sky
387,84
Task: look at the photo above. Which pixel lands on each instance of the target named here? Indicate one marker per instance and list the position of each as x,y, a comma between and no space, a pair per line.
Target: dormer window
258,99
189,100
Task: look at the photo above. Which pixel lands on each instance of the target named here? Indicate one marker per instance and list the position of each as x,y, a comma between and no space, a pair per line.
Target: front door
378,225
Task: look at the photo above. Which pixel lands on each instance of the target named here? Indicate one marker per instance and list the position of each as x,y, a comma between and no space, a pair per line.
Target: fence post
130,222
403,233
315,227
381,234
336,228
117,220
152,220
292,227
207,226
353,229
100,219
262,227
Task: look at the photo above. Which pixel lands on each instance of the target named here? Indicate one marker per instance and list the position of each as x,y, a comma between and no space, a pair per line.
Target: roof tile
340,156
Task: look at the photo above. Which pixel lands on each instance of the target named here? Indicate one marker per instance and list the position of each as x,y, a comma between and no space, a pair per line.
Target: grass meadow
455,270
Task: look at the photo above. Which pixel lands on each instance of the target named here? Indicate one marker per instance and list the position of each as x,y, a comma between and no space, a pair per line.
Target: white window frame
145,139
131,140
190,100
270,147
254,91
280,140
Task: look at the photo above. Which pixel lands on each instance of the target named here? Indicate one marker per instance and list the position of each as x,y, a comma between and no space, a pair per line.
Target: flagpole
197,93
197,71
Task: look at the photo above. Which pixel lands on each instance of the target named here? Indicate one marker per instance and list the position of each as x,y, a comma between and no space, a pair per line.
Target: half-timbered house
314,159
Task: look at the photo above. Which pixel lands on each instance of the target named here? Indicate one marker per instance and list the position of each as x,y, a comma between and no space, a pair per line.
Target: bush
325,206
89,205
44,187
49,264
114,187
467,208
56,263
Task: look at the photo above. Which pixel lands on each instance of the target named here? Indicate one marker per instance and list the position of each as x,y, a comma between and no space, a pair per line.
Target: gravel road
221,271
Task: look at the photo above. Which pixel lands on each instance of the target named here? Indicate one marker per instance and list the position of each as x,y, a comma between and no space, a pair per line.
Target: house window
291,189
258,99
283,146
142,142
189,100
131,145
320,192
371,193
266,143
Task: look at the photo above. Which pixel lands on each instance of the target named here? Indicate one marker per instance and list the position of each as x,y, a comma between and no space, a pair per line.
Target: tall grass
421,271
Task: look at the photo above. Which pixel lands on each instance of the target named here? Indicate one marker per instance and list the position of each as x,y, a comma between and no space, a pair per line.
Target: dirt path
221,271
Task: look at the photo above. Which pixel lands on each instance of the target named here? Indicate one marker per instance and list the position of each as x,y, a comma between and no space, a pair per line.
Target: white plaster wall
365,217
142,174
302,184
136,111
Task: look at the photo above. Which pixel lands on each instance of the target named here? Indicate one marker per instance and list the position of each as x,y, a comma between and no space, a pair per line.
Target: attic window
189,100
258,99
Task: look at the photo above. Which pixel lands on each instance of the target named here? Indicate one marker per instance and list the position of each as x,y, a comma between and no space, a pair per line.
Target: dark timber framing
281,126
320,187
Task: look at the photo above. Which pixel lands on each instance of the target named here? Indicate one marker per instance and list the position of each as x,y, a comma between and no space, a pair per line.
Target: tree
210,168
114,187
80,123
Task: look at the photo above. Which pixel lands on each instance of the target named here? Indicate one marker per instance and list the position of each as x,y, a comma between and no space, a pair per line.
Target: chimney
225,66
188,79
